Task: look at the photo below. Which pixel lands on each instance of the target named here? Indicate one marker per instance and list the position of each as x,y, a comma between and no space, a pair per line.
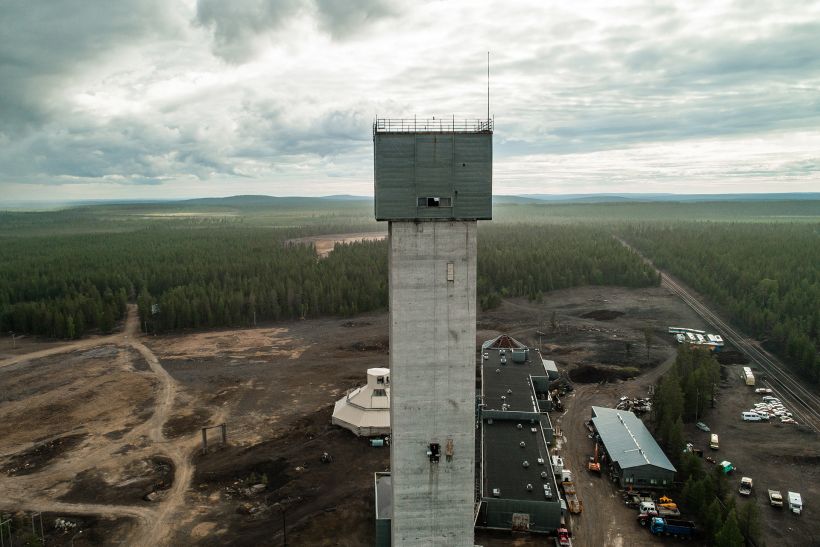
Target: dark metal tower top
433,169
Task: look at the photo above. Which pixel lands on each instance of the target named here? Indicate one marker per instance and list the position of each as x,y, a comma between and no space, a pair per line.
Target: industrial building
433,181
518,489
366,410
637,460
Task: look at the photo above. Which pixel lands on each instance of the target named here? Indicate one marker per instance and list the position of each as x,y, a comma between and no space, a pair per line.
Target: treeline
710,499
683,394
240,282
764,276
531,259
201,275
229,276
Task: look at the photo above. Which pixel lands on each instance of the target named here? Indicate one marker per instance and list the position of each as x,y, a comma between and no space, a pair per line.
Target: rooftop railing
438,125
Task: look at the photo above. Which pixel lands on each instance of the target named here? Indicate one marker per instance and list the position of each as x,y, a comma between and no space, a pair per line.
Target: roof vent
496,492
533,430
526,463
540,461
519,426
544,475
509,391
522,444
529,487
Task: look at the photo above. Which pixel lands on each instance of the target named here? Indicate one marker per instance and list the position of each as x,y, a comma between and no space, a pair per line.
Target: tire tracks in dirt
152,523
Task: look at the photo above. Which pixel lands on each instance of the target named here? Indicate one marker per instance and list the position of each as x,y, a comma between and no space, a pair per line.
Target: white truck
795,503
746,486
775,499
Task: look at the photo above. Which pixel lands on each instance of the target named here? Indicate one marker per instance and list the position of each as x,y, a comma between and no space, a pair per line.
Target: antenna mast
488,86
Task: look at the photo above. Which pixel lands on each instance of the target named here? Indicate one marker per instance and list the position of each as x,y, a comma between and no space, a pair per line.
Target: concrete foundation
432,364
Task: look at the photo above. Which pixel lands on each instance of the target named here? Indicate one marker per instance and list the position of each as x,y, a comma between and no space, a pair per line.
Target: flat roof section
510,381
504,460
626,439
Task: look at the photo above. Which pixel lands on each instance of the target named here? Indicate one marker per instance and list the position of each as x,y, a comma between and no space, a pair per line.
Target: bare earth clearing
324,243
96,428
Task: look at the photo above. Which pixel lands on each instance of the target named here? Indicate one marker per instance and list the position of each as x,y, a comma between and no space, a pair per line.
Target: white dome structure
366,410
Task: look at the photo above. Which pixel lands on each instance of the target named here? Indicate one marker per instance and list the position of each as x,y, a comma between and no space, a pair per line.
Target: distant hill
253,201
610,198
269,201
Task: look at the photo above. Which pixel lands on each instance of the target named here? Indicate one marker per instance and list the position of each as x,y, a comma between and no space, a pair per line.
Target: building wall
545,516
457,166
641,477
432,364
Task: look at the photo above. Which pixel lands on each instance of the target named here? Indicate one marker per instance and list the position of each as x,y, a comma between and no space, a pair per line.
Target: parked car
703,427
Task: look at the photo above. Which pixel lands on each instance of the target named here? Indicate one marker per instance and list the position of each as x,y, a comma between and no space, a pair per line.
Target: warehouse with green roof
635,458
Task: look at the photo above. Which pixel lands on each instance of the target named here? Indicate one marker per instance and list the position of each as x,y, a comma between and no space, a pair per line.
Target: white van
795,503
750,416
713,443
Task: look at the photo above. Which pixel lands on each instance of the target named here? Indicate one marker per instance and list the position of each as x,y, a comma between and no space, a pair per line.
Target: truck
634,499
574,505
775,498
714,443
795,503
672,527
651,509
745,486
726,467
563,538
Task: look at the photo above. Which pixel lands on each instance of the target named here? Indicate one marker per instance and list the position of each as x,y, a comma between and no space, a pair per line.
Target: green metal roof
627,440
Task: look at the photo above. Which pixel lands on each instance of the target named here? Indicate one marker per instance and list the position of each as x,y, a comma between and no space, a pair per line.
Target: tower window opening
434,201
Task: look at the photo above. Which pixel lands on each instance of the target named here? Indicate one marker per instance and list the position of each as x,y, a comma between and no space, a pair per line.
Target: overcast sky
164,99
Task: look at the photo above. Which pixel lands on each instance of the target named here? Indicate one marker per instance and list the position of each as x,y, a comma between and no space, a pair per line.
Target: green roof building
636,458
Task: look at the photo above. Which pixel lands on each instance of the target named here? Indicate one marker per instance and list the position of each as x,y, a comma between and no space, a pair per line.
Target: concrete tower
433,181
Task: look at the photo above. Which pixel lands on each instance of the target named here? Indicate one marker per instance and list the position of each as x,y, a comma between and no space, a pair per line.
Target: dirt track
152,526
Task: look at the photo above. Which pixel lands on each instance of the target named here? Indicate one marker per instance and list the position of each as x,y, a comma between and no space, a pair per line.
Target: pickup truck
648,510
745,486
775,499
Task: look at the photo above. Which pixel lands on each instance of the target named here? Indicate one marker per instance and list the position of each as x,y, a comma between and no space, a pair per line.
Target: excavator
667,503
594,464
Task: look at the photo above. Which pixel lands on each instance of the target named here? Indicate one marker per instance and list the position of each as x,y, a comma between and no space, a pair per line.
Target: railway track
804,403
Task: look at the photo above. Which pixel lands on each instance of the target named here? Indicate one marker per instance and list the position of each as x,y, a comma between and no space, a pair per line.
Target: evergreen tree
748,518
729,534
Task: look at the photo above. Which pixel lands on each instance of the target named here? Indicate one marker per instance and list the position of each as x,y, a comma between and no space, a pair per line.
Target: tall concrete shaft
432,363
433,181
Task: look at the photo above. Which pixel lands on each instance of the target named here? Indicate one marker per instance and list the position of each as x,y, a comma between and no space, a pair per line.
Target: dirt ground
324,243
99,430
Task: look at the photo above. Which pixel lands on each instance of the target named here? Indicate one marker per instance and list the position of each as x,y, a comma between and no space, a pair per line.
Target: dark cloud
43,43
238,24
342,19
